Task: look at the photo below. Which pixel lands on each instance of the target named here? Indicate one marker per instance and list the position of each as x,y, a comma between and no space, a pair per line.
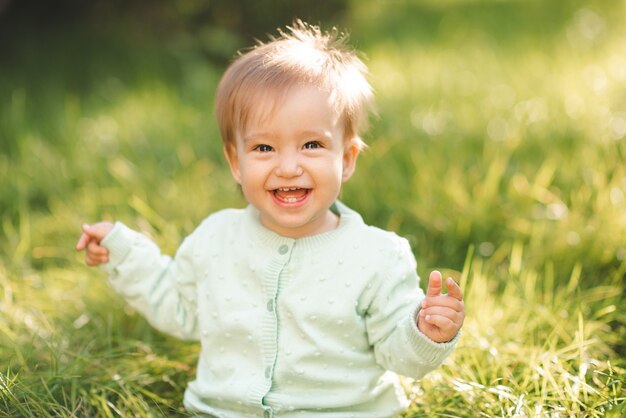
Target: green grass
499,151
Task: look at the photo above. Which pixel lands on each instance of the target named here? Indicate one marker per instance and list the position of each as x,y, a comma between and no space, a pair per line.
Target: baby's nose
289,166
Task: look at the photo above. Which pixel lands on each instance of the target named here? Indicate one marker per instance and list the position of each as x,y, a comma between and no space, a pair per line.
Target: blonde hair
302,55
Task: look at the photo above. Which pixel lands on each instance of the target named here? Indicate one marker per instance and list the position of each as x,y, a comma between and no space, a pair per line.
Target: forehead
302,101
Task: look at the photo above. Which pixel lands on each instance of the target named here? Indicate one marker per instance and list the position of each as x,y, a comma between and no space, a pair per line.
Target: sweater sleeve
160,287
391,316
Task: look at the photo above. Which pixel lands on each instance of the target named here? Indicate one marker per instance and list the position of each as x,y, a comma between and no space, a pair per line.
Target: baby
301,308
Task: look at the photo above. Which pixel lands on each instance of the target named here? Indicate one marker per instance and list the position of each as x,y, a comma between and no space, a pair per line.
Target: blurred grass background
499,151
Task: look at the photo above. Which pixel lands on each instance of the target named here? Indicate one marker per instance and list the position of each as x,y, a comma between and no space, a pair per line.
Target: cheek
338,165
253,172
332,170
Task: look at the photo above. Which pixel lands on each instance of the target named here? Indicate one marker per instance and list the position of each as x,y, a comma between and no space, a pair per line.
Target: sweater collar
347,220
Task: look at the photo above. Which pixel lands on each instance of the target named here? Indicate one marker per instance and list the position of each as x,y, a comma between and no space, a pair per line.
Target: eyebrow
324,133
304,133
248,138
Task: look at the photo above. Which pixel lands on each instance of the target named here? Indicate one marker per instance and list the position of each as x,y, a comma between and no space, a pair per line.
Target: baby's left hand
441,315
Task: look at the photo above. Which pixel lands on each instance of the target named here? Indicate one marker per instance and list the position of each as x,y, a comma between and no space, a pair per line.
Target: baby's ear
350,155
230,152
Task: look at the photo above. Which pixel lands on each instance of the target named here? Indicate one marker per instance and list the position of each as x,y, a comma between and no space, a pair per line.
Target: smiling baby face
292,161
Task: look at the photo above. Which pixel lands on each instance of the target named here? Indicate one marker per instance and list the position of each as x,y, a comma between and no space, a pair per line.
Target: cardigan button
270,305
268,371
283,249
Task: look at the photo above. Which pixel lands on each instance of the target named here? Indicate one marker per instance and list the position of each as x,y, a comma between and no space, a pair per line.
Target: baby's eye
263,148
312,145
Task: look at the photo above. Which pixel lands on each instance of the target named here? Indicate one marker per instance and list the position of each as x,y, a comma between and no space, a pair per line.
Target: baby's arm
95,254
392,319
160,287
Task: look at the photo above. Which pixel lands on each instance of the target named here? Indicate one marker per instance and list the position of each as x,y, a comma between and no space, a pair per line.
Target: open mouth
290,194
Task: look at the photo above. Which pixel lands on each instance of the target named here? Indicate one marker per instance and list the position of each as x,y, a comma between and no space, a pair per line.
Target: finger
441,322
90,260
95,249
97,231
95,260
434,284
438,310
454,289
82,241
444,301
454,316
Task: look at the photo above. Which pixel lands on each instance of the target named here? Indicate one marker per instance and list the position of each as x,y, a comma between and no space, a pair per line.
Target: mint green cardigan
315,327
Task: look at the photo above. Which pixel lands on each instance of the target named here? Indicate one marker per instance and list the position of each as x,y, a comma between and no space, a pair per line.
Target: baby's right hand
90,240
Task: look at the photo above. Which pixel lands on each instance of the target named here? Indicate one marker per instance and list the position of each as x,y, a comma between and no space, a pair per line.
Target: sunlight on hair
301,54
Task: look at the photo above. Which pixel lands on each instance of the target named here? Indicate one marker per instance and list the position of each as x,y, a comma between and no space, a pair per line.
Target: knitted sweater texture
318,326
